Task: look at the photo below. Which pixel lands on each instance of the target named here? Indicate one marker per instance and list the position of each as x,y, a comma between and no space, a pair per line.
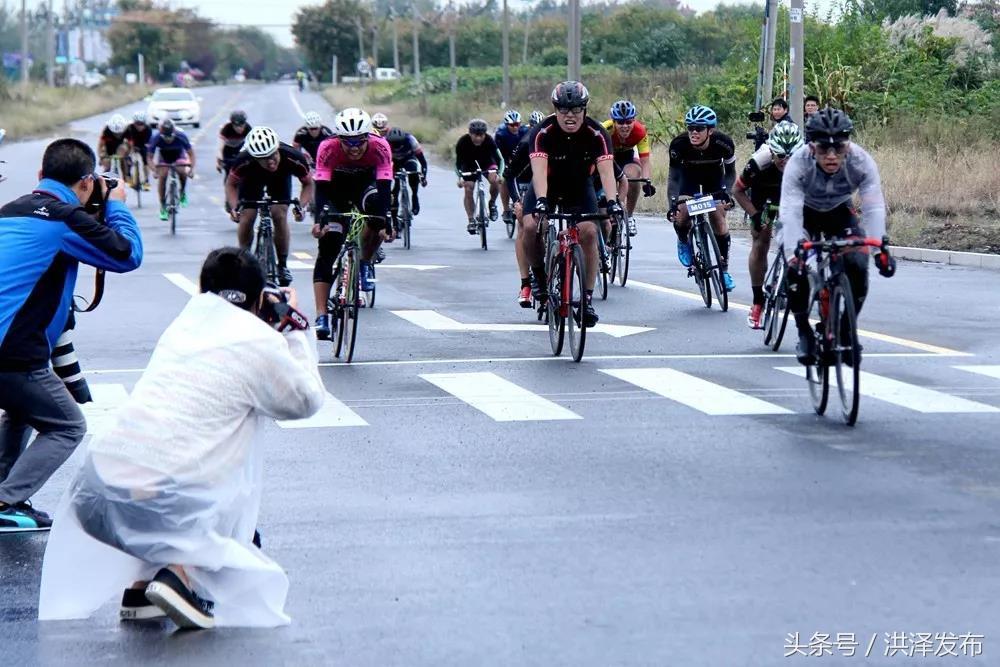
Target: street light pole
416,43
573,41
796,56
771,32
395,39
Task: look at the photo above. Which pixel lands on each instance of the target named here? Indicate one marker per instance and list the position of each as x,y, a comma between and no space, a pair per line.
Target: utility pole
450,22
142,69
24,44
50,45
770,32
796,55
573,41
395,39
416,43
333,70
375,44
361,39
506,55
527,29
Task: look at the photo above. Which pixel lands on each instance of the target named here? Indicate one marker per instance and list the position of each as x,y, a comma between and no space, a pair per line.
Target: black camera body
97,201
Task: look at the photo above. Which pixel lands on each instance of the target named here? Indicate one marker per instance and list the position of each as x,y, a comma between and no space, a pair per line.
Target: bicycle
404,212
565,288
776,307
263,244
135,180
173,200
479,199
707,265
836,331
345,301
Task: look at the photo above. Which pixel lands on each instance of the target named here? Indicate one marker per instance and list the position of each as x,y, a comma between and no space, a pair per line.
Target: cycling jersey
232,139
251,178
507,141
468,155
139,137
572,158
706,168
761,178
407,150
624,149
308,142
806,186
110,142
170,151
332,160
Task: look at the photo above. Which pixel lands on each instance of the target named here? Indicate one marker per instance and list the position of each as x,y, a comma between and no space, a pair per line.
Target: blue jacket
43,237
507,141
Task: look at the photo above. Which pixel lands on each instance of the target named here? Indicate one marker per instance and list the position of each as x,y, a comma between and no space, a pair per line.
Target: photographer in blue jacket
72,216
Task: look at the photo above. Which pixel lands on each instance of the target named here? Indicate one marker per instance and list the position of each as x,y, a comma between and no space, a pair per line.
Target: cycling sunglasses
825,147
627,121
565,111
697,128
354,142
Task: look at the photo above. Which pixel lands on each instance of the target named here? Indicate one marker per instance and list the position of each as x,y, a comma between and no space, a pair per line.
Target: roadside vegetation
40,108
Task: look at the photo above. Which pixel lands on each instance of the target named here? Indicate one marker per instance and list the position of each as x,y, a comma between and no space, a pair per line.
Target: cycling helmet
238,117
117,123
396,135
829,125
478,126
139,117
167,127
353,122
512,117
622,110
536,117
701,115
785,138
570,94
313,120
261,142
380,121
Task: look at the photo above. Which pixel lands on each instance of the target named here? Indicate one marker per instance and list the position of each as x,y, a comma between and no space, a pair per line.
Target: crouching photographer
43,238
164,507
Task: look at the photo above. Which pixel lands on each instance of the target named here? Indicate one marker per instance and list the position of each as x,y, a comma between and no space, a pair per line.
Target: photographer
167,500
43,236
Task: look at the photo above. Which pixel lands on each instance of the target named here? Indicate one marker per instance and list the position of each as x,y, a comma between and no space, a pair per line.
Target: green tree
323,31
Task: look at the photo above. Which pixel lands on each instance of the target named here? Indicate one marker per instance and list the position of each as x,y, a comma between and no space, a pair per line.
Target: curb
972,259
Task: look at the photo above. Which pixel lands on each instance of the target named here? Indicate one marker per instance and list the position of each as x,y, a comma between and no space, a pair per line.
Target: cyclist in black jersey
478,150
139,134
517,176
566,149
703,160
407,155
311,135
231,138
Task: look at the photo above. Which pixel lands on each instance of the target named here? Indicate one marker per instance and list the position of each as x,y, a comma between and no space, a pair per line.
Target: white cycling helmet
117,123
313,120
380,121
139,117
353,122
261,142
512,117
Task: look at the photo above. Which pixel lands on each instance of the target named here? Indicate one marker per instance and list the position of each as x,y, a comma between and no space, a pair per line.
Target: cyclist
231,138
407,155
629,138
353,171
517,176
535,118
507,137
113,141
818,188
762,178
381,124
566,149
311,135
267,162
477,150
701,160
138,134
174,149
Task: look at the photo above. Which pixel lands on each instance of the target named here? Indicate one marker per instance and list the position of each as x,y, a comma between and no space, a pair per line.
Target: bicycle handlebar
327,215
640,180
404,172
261,203
829,246
575,218
478,172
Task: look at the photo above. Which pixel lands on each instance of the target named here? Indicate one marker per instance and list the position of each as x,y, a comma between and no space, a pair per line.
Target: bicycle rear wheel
481,217
715,267
404,217
556,317
574,290
603,251
137,182
845,349
818,373
770,298
701,265
781,310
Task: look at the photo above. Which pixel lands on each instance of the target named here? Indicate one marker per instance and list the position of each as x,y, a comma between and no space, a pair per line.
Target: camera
97,200
276,311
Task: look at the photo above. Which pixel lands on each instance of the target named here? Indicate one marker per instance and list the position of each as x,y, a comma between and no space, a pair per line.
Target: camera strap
95,301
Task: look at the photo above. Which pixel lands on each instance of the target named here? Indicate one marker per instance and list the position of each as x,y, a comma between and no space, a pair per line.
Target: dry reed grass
41,108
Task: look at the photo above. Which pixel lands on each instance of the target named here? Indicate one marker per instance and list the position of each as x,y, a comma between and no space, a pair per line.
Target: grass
40,108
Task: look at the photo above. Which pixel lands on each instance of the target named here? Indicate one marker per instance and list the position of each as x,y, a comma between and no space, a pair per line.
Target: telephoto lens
67,367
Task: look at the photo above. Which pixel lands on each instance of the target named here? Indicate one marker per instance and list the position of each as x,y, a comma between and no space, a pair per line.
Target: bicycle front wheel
577,298
624,250
137,181
818,373
349,312
846,357
715,268
173,206
702,265
781,309
404,217
556,316
603,251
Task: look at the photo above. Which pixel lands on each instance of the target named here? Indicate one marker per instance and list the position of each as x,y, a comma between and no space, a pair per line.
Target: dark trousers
35,400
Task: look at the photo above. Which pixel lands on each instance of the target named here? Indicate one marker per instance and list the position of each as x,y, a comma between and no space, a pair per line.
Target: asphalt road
466,499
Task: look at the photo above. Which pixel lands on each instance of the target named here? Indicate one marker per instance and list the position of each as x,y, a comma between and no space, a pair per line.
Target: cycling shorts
181,161
622,159
279,186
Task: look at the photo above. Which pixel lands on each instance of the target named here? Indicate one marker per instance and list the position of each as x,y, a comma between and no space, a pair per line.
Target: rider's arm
793,197
743,183
606,170
870,193
423,163
674,173
308,186
644,151
114,245
460,153
232,189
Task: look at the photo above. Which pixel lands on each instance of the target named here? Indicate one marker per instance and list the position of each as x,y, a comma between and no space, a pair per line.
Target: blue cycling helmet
622,110
701,115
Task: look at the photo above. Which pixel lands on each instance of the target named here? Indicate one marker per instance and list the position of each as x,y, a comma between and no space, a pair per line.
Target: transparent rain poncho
177,479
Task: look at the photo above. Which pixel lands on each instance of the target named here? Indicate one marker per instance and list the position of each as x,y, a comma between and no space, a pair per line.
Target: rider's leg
468,187
591,256
161,186
327,251
758,259
682,225
505,197
494,186
370,239
282,233
519,253
632,170
722,237
244,232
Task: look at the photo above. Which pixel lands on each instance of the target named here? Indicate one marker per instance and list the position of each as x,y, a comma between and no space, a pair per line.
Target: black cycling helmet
478,126
395,135
570,94
829,125
238,117
167,127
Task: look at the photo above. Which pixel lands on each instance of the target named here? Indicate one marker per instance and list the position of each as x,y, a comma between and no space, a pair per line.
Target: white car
178,104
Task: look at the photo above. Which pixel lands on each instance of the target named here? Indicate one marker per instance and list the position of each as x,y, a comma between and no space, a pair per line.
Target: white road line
302,255
183,282
298,265
906,395
988,371
694,392
497,398
100,414
295,102
332,414
435,321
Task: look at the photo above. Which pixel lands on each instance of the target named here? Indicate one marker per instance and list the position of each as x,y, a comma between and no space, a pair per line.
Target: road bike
832,303
706,267
134,175
620,246
776,307
263,243
346,299
173,196
404,211
479,202
566,290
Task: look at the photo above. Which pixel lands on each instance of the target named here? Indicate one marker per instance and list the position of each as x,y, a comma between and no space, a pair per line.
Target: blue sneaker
22,517
684,252
367,281
728,280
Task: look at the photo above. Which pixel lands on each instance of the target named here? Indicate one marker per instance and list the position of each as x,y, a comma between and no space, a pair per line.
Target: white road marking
415,267
497,398
332,414
694,392
988,371
906,395
302,255
295,102
435,321
183,282
299,265
100,414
